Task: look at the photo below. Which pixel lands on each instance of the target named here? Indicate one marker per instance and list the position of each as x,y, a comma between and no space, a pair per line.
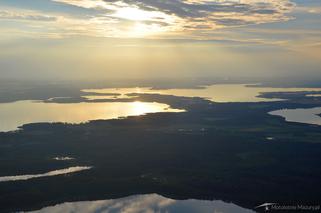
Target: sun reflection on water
13,115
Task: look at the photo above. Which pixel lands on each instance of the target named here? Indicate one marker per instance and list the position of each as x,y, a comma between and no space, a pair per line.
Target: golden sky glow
139,38
145,18
182,16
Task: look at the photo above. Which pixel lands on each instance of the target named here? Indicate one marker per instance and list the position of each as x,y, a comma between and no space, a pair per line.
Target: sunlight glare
135,14
144,23
142,108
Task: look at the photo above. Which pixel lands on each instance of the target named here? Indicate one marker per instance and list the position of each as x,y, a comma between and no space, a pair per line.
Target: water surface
313,95
13,115
63,158
218,93
306,116
151,203
47,174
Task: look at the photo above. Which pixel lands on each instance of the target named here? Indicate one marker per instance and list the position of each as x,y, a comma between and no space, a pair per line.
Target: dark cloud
198,9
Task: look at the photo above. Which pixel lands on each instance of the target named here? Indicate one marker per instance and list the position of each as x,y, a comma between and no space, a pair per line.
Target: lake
15,114
151,203
221,93
47,174
107,157
306,116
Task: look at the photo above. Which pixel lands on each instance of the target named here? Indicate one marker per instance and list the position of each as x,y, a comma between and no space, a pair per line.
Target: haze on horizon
100,39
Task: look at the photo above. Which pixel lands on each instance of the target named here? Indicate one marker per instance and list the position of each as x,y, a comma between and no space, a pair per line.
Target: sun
134,14
142,23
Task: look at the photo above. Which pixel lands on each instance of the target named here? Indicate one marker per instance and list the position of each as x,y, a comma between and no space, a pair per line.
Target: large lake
218,93
151,203
13,115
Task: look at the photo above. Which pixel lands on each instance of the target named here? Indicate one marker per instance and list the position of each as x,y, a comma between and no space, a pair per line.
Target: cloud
153,18
194,14
311,10
30,16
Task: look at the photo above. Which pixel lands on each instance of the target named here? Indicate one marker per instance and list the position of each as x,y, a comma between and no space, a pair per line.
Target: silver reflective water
313,95
307,116
47,174
218,93
13,115
63,158
151,203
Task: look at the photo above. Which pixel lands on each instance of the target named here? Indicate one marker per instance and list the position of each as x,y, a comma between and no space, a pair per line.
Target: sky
100,39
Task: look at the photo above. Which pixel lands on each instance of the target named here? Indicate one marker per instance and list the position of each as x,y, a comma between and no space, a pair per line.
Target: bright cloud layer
189,15
133,18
